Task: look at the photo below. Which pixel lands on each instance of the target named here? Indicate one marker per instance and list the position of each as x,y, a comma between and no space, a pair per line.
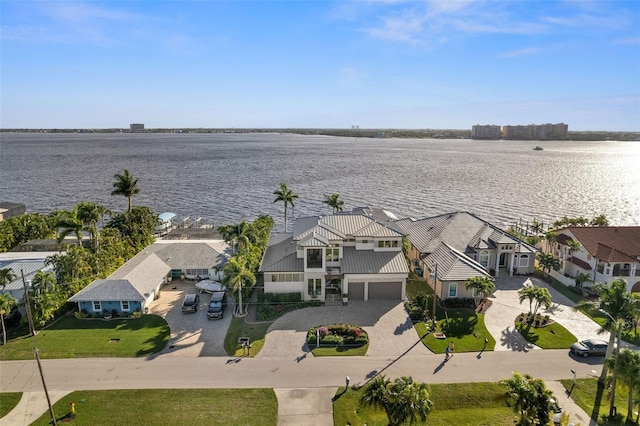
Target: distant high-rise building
136,127
489,131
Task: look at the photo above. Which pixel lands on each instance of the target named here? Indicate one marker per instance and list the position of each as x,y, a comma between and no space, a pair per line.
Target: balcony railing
334,271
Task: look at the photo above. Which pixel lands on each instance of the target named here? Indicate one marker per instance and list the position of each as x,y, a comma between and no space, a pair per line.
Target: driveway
390,331
506,306
192,334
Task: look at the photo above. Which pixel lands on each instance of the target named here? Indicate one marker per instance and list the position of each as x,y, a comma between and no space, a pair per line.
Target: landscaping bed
338,338
273,306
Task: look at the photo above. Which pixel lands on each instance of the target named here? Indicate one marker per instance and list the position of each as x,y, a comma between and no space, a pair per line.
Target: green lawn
70,337
587,392
340,351
415,286
553,336
454,404
464,327
8,401
169,407
238,328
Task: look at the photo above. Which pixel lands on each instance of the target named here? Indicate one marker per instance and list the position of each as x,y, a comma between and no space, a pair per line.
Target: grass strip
238,328
167,407
70,337
465,328
593,398
8,401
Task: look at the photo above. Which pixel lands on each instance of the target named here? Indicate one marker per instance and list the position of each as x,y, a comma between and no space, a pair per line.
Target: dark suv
190,303
217,305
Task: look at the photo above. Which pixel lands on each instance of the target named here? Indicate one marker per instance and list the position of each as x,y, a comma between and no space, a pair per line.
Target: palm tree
582,278
334,201
90,213
6,276
536,227
618,304
7,302
537,294
626,366
235,274
238,236
70,223
551,237
404,400
532,399
600,220
573,246
125,185
285,195
548,262
482,287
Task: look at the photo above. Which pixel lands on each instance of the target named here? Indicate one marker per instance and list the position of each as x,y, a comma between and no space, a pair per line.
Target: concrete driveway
390,331
192,334
506,306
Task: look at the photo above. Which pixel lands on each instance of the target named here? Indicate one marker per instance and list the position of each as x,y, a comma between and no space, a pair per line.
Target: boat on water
538,148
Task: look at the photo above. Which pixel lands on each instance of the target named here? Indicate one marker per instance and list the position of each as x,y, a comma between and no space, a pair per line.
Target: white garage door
379,291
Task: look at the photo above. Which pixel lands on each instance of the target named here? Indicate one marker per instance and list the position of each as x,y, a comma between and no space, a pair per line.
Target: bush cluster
418,307
273,305
466,302
338,335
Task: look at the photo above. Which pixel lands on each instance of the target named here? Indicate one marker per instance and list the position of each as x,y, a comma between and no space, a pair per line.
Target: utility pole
35,349
435,286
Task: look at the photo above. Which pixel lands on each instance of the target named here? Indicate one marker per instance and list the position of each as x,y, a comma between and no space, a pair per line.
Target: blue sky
377,64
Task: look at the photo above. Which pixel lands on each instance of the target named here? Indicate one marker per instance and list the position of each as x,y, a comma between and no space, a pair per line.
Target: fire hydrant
73,407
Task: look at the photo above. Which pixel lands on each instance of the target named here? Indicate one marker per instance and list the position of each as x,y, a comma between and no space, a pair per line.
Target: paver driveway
389,328
500,317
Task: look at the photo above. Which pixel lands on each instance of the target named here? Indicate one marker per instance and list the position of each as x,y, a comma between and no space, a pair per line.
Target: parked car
217,305
190,303
208,286
589,347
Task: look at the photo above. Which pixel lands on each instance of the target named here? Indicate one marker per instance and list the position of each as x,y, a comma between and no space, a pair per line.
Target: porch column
497,268
513,259
366,291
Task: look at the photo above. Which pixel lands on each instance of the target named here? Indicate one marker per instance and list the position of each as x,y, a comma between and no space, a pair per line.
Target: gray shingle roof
112,290
192,254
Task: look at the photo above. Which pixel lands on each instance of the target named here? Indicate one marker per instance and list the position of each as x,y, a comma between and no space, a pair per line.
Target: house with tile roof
461,246
136,284
606,253
357,252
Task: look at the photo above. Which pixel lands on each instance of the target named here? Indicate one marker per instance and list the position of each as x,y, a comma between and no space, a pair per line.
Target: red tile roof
609,243
579,262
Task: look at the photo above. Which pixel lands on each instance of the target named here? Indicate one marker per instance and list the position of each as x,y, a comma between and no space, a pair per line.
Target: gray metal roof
108,290
454,265
29,262
370,262
281,255
313,240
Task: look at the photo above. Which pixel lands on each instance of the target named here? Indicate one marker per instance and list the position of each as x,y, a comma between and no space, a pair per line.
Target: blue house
133,287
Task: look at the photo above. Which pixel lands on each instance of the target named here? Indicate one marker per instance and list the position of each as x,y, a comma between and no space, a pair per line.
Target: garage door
378,291
356,291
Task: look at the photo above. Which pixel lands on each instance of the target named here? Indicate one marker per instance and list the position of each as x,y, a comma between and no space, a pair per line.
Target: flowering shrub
323,331
337,335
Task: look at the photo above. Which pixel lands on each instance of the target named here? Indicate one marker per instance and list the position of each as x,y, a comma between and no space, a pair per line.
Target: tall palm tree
70,223
483,287
626,366
89,213
6,276
334,201
7,302
537,294
551,237
404,400
600,220
573,246
288,197
548,262
618,304
125,185
238,236
537,227
236,274
532,399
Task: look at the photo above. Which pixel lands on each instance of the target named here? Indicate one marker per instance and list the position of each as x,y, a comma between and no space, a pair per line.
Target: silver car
589,347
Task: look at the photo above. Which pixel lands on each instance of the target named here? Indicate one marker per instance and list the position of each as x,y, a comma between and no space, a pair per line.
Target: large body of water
225,178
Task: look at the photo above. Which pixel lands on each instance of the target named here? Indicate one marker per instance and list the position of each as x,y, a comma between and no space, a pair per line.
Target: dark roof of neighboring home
460,230
453,265
579,262
194,254
609,243
563,239
115,290
370,262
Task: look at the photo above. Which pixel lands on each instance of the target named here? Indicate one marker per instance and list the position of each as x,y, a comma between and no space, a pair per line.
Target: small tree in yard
532,399
548,262
7,302
404,400
483,287
535,294
582,278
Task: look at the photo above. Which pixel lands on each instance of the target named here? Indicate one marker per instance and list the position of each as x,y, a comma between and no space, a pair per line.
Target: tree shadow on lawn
460,324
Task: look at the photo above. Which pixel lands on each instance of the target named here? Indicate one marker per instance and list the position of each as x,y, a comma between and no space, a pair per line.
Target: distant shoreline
351,133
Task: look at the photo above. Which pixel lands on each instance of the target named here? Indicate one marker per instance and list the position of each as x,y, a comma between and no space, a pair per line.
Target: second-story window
314,258
333,254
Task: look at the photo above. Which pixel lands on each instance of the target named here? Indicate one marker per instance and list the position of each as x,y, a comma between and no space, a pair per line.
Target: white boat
208,286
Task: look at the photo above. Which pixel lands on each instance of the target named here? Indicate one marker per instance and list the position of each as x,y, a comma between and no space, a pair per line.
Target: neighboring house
606,253
136,284
9,209
357,252
449,269
27,262
496,250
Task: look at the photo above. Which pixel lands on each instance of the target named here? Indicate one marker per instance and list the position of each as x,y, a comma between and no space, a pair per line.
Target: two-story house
605,253
348,252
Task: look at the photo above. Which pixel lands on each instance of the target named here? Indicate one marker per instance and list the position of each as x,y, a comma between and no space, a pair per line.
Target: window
365,241
314,287
333,254
97,306
197,272
275,278
388,243
453,289
484,258
314,258
124,305
524,260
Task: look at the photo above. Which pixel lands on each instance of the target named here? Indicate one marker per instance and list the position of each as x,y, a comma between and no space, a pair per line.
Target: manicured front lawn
415,286
238,328
8,401
553,336
587,392
70,337
340,350
169,407
454,404
464,327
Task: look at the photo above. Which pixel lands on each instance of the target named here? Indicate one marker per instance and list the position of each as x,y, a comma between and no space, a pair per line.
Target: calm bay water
225,178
